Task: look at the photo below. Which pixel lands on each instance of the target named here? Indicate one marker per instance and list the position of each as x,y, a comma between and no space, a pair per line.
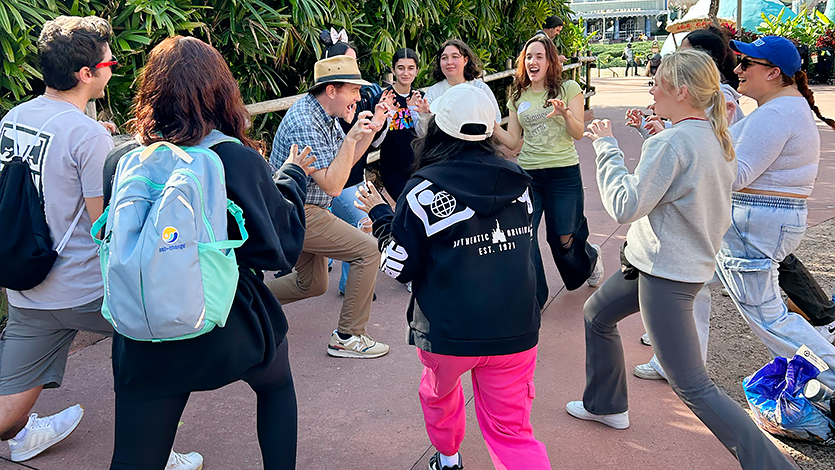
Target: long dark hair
553,80
185,91
473,68
437,146
713,41
333,49
802,83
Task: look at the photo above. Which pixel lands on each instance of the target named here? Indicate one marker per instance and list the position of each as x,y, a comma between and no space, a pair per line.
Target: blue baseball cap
775,49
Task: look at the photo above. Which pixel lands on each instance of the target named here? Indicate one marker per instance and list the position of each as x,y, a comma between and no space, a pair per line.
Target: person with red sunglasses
66,160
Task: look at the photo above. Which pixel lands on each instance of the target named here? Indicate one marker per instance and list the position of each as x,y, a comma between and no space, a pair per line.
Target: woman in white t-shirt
454,64
778,151
548,112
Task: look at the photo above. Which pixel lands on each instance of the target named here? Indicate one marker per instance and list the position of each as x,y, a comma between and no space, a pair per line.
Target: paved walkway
364,414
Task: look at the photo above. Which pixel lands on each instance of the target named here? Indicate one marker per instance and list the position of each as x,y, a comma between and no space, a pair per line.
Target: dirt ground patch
734,352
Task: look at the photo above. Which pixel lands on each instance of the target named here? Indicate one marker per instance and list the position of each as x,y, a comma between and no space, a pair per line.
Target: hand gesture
388,98
599,128
560,108
362,127
304,159
634,117
368,199
419,102
654,125
380,114
109,126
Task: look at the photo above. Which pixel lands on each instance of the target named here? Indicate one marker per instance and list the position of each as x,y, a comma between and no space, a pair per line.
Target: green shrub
270,45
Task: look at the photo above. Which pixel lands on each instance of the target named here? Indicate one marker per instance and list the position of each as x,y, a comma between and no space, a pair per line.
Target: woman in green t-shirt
548,111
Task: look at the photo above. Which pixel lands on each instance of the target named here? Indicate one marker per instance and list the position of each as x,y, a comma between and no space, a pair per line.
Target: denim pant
764,230
344,208
667,310
558,193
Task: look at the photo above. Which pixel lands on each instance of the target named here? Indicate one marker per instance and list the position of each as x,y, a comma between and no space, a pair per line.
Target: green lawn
609,54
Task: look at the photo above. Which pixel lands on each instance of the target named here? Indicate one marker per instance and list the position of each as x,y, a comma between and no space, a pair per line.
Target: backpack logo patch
170,235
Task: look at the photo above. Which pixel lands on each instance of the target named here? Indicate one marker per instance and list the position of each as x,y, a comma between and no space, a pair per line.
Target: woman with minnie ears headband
778,151
549,156
678,202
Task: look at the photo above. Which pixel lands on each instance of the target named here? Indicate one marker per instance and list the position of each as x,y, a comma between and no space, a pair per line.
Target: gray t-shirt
67,163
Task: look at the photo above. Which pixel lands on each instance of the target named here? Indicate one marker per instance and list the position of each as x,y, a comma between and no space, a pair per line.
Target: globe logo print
443,204
170,235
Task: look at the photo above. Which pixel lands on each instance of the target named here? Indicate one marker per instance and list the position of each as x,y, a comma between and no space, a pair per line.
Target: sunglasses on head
112,63
746,62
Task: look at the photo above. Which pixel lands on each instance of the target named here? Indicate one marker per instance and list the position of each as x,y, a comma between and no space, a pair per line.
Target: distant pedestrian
629,56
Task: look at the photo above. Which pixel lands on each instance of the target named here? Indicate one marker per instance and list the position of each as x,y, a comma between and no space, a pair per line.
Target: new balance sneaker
435,463
357,346
597,275
42,433
190,461
617,420
647,372
827,331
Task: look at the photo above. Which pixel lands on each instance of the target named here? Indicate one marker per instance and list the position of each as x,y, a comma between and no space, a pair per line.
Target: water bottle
819,395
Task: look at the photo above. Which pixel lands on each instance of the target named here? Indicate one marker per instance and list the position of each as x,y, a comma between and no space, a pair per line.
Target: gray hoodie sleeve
628,197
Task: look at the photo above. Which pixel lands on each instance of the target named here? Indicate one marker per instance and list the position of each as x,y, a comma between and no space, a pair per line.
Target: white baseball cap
461,105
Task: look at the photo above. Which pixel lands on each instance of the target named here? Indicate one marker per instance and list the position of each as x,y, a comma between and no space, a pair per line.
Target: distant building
620,19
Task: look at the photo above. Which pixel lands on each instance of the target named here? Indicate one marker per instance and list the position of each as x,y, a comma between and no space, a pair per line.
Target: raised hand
362,127
304,159
368,199
634,117
560,108
419,102
599,128
654,125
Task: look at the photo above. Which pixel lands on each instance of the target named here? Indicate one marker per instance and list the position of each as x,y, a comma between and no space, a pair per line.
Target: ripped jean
764,230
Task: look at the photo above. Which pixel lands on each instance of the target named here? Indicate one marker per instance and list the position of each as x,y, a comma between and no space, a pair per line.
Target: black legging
145,429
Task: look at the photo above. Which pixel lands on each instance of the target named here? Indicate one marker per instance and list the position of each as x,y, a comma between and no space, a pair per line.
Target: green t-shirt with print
547,141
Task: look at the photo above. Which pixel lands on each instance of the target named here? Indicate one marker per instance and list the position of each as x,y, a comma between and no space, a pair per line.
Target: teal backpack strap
238,214
98,225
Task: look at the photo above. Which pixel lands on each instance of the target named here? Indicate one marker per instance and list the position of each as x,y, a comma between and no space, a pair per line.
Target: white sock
449,460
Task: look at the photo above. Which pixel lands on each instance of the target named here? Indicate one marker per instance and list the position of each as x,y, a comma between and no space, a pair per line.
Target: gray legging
667,310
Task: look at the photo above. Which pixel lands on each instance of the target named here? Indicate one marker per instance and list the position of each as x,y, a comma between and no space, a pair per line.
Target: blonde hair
697,71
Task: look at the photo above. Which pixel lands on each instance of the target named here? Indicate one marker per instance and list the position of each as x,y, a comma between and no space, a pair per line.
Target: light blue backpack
169,268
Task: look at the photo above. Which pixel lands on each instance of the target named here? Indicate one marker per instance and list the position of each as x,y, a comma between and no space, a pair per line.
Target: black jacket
462,235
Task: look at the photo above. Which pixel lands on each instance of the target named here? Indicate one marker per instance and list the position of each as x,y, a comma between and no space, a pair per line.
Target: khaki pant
326,236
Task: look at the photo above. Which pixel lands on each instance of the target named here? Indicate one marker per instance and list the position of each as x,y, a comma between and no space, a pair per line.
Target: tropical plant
271,45
827,39
803,29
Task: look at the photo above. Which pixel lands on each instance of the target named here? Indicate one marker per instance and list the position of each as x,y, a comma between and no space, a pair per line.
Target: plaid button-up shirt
307,123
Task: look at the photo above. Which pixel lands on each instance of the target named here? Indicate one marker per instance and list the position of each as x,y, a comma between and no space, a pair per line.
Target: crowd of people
717,197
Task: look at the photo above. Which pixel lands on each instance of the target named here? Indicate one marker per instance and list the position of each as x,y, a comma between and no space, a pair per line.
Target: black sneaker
435,463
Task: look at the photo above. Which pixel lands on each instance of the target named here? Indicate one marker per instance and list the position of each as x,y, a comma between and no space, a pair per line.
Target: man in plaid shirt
313,121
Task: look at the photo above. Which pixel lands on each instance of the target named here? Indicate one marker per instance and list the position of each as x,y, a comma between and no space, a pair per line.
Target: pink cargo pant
504,392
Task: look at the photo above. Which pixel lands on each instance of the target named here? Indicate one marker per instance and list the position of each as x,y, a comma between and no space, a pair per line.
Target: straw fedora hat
338,69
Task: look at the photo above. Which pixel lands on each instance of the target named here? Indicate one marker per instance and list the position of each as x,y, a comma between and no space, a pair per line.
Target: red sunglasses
110,63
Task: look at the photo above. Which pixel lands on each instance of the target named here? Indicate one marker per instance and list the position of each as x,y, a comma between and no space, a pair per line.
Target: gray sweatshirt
678,200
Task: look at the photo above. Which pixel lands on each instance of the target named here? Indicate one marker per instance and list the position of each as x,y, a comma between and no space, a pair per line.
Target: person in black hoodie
462,235
186,91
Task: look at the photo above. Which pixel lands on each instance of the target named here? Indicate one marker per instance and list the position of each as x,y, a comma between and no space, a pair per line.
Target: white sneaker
646,371
190,461
597,275
645,340
357,346
827,331
617,420
42,433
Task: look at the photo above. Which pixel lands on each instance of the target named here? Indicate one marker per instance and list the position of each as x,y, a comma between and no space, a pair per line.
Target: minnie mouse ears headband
329,38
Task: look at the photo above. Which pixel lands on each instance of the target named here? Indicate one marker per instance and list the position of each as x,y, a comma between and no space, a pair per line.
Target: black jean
558,193
799,285
145,429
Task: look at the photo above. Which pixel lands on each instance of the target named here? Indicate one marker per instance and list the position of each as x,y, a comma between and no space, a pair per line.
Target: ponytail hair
802,83
696,70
